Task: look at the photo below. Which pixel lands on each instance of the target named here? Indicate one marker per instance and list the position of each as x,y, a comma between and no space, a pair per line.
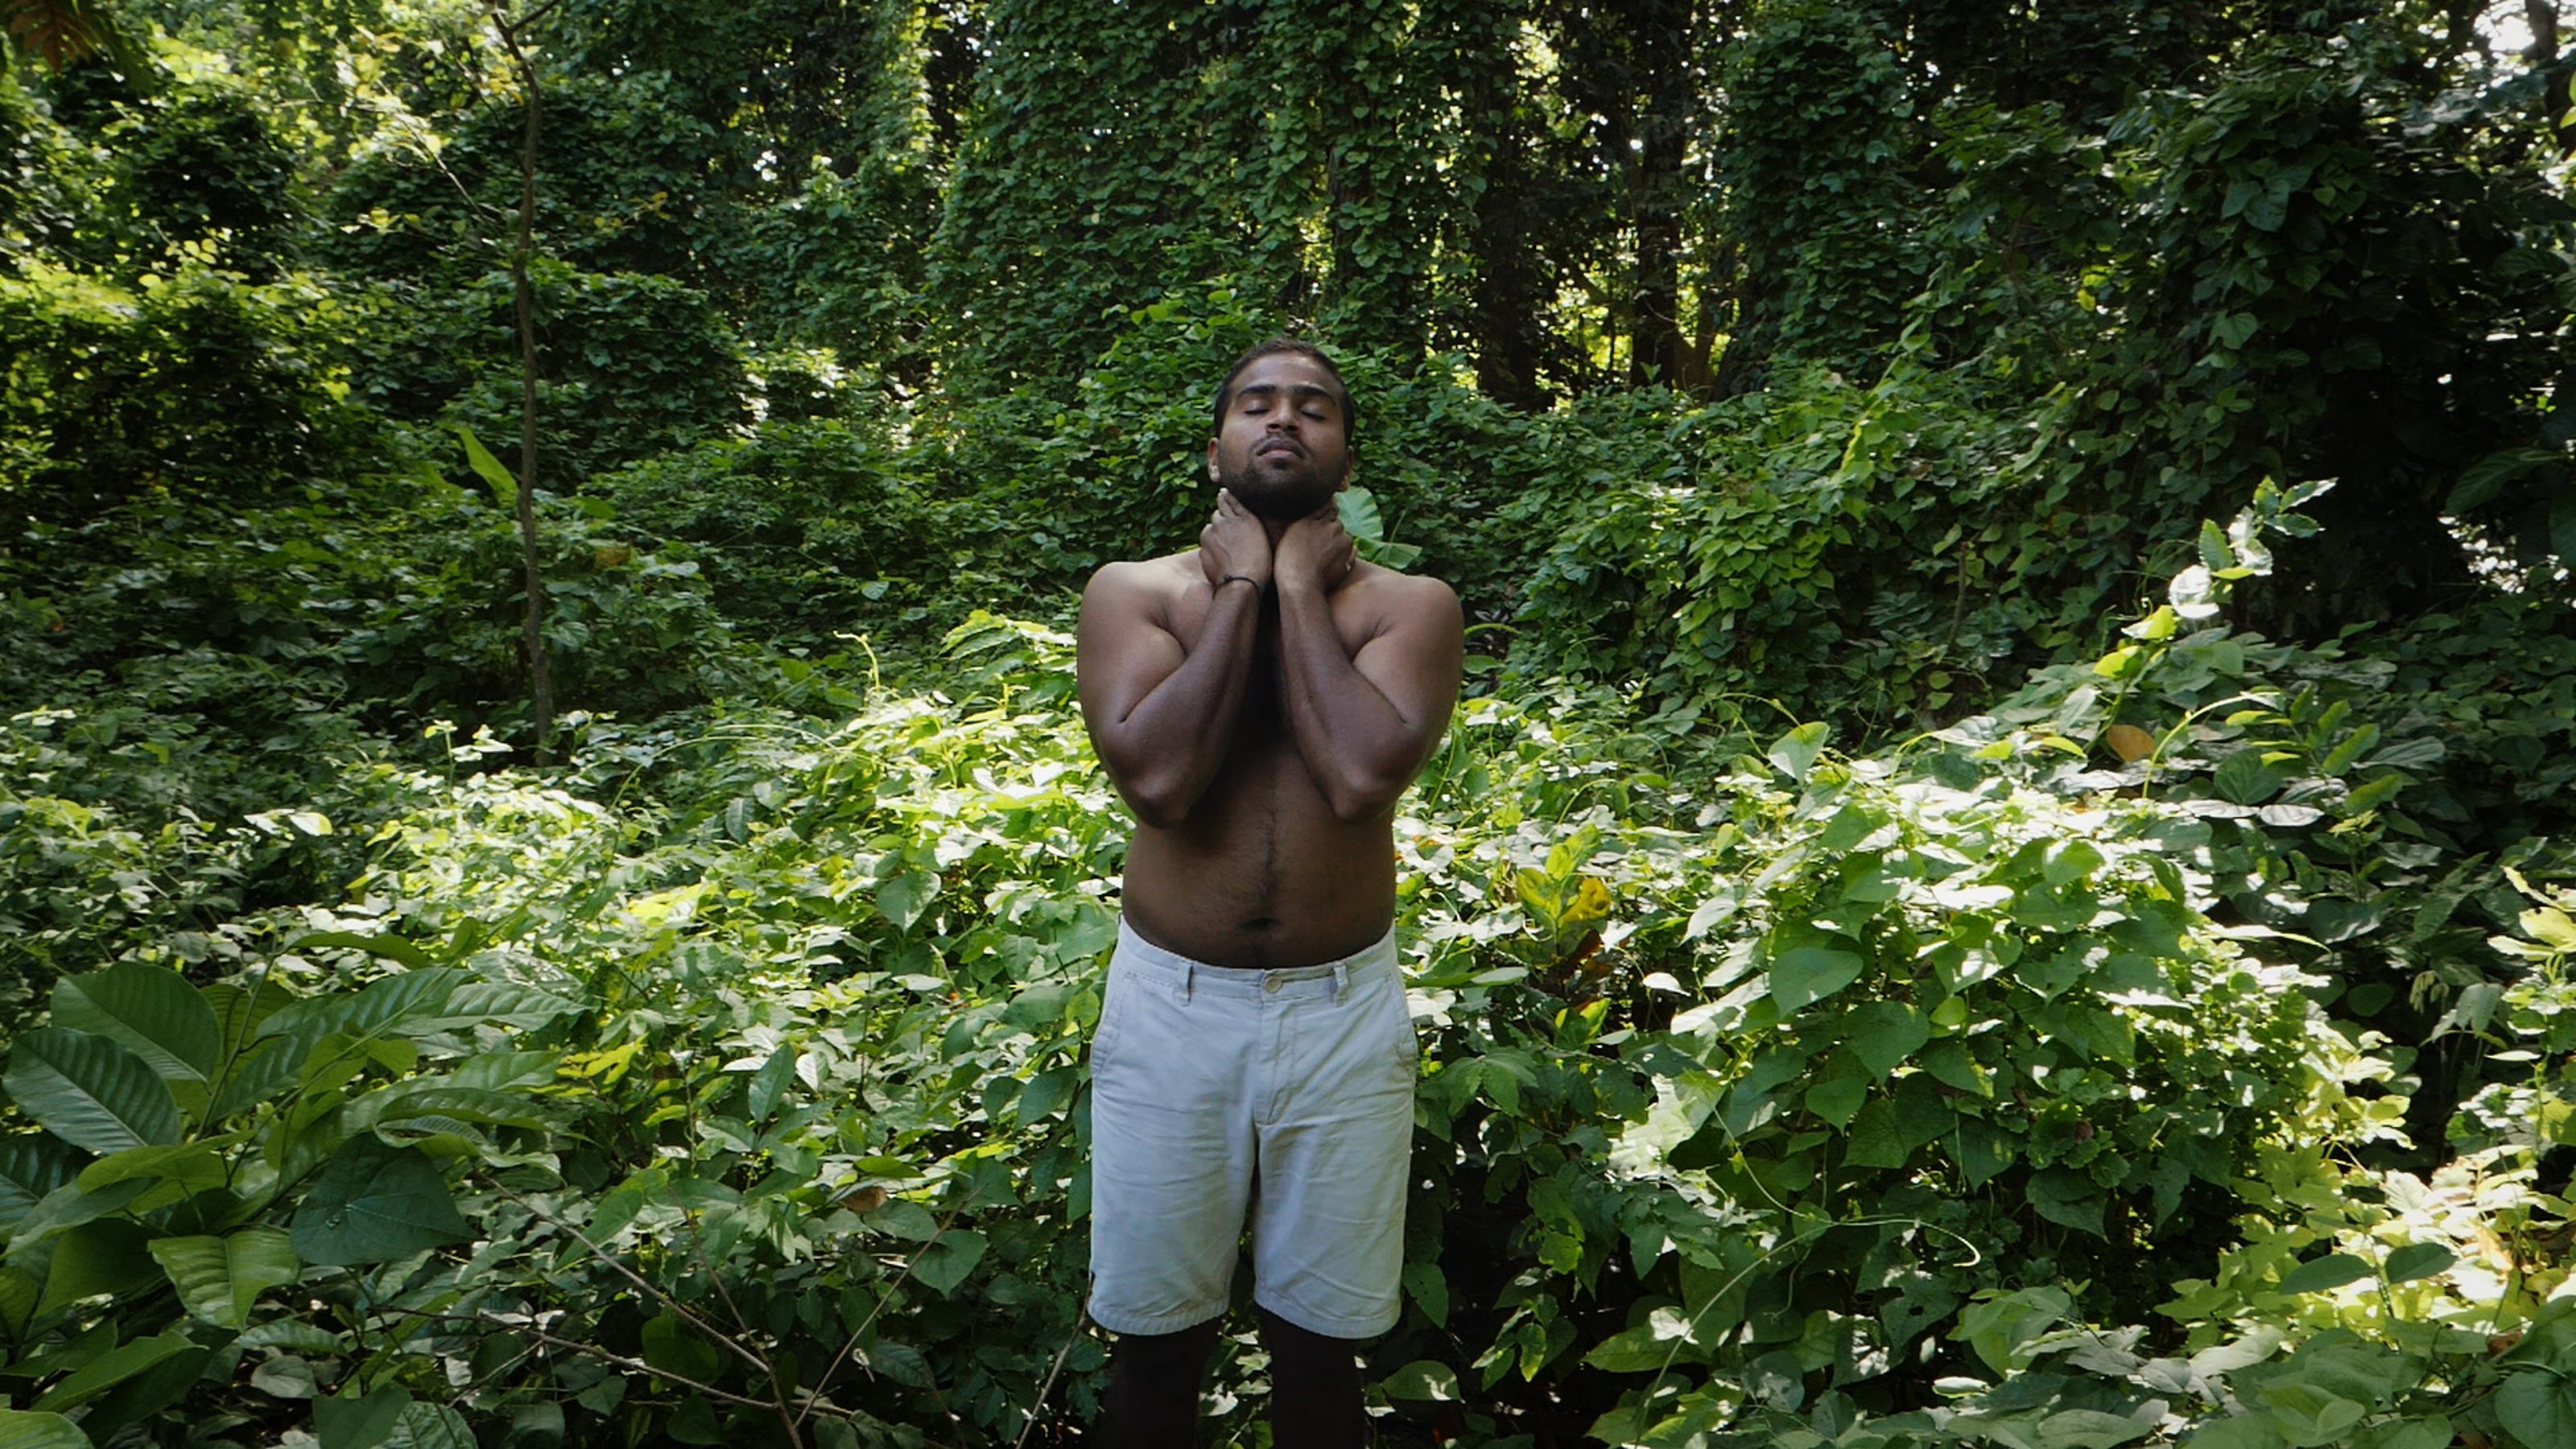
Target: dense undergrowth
2053,1077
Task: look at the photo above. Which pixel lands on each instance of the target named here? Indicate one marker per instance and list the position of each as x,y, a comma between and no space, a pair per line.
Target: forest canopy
2003,877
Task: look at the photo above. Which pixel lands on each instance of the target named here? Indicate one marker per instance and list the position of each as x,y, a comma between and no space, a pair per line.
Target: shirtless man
1260,703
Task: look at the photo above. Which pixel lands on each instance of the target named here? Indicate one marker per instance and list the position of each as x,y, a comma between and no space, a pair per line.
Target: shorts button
1270,982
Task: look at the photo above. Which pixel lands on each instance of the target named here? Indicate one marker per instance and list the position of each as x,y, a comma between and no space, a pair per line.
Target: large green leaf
30,1167
1357,508
1422,1379
2331,1271
150,1010
20,1429
2246,778
1794,753
384,1003
95,1258
390,948
430,1426
2063,1195
219,1278
2481,481
500,1003
2411,1261
254,1076
944,1261
164,1381
1884,1033
407,1002
69,1206
374,1203
19,1293
2538,1406
2088,1429
190,1165
1804,975
90,1092
114,1367
505,486
675,1348
350,1422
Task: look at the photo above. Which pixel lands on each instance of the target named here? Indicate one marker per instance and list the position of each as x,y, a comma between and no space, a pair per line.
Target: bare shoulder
1416,599
1147,583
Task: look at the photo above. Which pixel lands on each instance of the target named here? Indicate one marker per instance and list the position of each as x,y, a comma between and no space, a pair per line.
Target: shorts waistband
1136,953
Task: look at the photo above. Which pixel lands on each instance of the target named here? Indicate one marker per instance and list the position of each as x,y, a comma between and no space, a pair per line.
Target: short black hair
1259,350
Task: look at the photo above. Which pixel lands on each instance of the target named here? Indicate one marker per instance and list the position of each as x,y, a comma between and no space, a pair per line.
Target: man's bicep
1121,649
1417,662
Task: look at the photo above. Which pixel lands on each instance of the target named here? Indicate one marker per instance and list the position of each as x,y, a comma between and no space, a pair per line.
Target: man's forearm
1352,737
1168,748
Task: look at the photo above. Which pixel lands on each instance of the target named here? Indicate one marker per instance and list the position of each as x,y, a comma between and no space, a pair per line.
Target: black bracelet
1240,578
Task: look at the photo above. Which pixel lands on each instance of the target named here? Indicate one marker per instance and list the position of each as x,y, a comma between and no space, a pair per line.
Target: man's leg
1314,1387
1153,1399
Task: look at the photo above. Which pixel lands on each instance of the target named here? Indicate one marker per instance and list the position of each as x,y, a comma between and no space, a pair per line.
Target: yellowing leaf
2550,927
1591,901
2129,742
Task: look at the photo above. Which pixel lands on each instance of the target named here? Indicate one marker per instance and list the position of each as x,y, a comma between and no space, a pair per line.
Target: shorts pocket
1407,1048
1113,1017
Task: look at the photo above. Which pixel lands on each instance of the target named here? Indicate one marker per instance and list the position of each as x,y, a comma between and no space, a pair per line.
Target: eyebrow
1299,390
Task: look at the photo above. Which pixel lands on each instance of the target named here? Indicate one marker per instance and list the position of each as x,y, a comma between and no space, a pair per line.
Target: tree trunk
532,633
1503,313
1656,350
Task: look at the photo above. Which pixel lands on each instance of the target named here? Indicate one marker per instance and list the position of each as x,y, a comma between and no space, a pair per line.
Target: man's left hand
1315,552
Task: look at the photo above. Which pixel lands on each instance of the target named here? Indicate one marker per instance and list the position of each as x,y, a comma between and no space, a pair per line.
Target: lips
1278,445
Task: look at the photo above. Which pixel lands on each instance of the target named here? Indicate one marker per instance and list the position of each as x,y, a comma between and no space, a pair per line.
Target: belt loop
1341,981
1189,970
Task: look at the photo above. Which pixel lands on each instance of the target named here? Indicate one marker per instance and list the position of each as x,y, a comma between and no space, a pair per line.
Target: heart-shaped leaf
374,1203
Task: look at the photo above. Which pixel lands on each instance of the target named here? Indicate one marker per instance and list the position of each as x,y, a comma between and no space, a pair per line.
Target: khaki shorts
1287,1095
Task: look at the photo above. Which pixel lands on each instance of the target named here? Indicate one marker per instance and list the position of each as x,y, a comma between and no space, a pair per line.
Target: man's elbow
1357,802
1160,803
1158,813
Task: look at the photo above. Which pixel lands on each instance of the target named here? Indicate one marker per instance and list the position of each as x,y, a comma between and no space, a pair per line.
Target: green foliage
1819,112
629,365
804,528
183,386
1759,1080
198,171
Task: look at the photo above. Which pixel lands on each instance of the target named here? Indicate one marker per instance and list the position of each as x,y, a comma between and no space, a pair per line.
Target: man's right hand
1234,543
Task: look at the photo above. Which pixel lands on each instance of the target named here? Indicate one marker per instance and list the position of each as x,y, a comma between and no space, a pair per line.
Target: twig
532,637
553,1340
650,1287
848,1345
1040,1401
716,1279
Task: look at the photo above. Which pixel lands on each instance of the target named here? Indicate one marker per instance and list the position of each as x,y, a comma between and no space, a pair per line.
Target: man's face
1282,449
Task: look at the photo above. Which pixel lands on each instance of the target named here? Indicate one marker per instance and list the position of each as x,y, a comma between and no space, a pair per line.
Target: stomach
1262,874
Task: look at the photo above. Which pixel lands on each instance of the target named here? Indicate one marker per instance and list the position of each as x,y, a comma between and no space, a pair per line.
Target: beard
1281,490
